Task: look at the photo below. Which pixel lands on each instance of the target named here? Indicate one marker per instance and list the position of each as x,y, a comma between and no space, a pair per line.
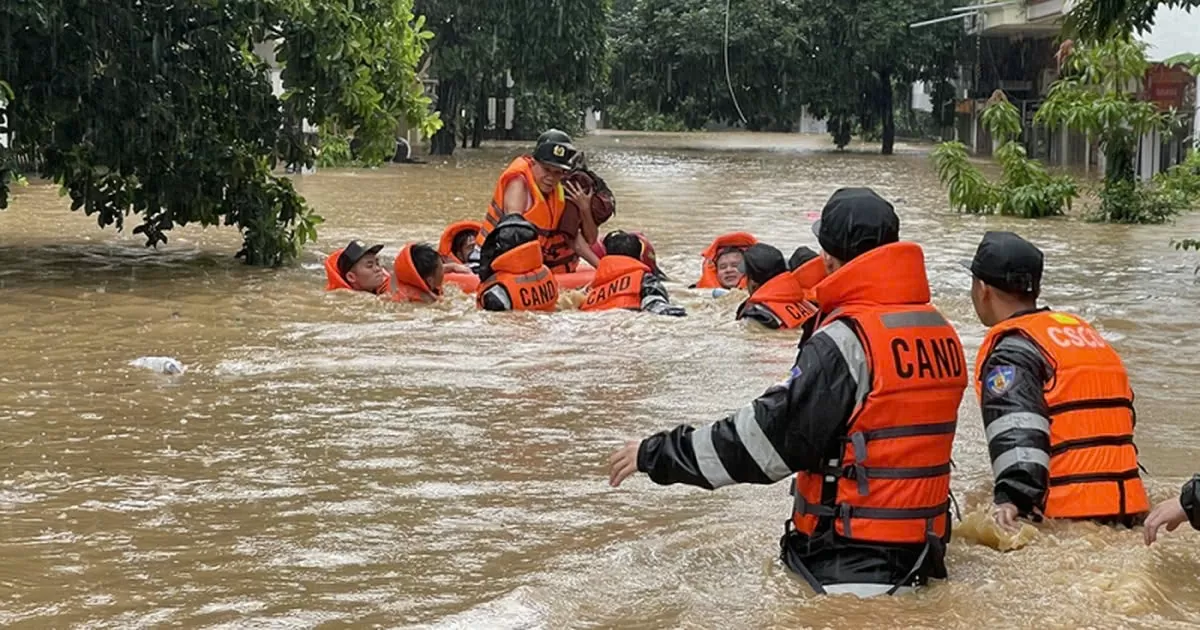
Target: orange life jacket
446,244
558,252
708,274
468,282
788,295
809,275
410,286
618,284
334,280
891,484
530,285
1093,461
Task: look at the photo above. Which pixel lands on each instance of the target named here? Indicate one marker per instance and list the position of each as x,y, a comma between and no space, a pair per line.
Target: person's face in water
729,269
465,246
366,274
547,177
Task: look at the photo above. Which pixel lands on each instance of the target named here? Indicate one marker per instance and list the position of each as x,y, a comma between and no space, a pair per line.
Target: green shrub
636,116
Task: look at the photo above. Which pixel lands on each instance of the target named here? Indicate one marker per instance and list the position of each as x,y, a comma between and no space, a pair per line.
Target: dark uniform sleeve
1016,420
1189,498
496,298
757,313
655,298
791,427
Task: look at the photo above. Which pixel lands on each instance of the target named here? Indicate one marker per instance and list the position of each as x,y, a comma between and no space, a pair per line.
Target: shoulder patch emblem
792,375
1064,319
1000,378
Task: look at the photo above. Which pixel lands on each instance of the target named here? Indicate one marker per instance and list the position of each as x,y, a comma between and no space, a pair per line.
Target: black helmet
555,135
762,262
512,231
562,155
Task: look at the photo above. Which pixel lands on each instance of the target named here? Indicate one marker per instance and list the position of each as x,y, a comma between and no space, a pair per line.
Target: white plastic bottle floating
159,365
718,292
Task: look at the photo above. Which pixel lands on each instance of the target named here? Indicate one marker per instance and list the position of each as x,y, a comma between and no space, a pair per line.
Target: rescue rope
728,79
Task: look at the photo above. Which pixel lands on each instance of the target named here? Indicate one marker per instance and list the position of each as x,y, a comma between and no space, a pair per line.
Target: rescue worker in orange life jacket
532,186
356,267
1057,405
629,278
510,265
778,299
866,420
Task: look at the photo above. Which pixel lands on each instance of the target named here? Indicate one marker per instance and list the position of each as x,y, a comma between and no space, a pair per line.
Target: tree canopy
844,61
555,49
1097,20
164,111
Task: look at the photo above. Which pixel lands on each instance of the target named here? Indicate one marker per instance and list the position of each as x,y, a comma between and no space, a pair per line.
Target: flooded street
332,459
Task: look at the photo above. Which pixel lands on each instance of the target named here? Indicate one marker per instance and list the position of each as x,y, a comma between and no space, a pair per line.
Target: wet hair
728,250
800,256
425,258
460,240
623,244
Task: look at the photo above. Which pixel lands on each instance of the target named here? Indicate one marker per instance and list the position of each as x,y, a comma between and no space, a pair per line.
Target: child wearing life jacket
514,278
355,267
778,297
419,273
629,278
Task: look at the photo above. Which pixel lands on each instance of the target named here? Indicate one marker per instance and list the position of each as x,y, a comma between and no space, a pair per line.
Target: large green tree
553,47
864,51
669,60
163,110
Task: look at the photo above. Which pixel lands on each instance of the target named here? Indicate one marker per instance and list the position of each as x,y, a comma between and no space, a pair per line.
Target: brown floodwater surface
333,459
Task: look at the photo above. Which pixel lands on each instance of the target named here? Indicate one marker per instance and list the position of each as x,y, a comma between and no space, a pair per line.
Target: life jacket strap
915,430
860,472
1092,442
1091,403
1067,480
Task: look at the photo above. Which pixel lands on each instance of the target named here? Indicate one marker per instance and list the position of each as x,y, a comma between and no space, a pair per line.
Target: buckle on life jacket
858,470
801,506
855,472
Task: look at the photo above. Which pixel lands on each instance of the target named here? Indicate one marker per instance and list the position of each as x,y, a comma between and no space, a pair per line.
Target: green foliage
1093,97
544,109
969,190
1183,179
1003,120
1097,20
861,52
668,56
557,49
1172,192
334,151
637,116
1191,61
1127,202
165,111
1025,188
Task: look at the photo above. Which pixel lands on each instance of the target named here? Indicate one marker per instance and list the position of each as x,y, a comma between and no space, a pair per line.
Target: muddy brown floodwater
330,459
